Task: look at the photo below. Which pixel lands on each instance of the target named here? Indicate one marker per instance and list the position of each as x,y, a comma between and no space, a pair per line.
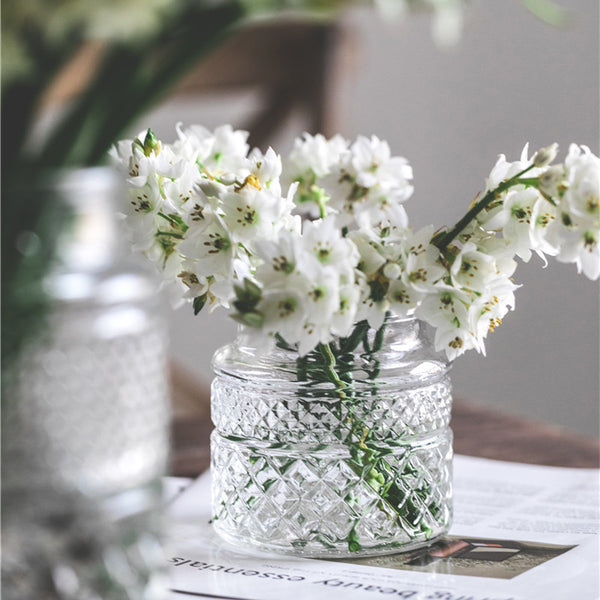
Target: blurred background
509,80
85,386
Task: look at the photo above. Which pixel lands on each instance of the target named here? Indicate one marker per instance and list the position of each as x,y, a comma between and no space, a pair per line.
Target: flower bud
253,319
151,143
545,156
392,270
252,289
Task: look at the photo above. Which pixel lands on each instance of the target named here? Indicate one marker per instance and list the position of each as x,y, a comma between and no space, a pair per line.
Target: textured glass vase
85,414
353,463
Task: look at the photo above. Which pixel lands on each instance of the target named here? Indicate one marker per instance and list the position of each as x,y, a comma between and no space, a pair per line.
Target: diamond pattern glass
298,469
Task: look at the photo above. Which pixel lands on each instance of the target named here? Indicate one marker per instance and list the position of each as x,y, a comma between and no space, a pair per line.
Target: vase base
315,550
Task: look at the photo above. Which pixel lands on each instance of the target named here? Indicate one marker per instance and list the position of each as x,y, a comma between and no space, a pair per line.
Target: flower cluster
554,211
198,208
304,249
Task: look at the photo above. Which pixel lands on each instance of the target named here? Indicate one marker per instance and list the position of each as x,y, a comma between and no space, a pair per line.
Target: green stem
132,78
330,361
534,182
444,239
197,34
21,98
366,461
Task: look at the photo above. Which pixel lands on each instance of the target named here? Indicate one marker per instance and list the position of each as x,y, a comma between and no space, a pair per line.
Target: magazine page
520,532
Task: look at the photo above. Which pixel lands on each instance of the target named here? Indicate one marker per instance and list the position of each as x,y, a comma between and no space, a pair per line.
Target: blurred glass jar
85,417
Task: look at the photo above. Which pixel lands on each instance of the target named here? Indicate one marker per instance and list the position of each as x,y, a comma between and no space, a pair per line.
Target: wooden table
478,431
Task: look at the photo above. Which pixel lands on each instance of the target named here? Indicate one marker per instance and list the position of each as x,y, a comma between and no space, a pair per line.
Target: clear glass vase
85,413
344,452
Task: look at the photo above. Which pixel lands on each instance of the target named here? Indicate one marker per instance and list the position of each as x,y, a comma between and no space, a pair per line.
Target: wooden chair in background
296,67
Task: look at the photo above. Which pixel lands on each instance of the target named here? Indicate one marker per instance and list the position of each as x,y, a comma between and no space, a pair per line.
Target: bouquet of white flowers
304,249
339,441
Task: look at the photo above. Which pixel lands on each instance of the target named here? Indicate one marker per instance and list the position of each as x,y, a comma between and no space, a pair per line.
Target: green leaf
281,343
199,302
133,77
252,288
251,318
353,541
548,11
254,319
378,341
268,483
175,221
350,343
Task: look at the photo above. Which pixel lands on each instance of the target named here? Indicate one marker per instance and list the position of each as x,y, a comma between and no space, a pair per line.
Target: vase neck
401,333
396,333
87,197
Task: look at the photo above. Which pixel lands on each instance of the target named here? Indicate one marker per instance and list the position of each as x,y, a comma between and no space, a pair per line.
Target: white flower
221,284
249,214
345,316
197,212
577,224
445,304
370,308
210,248
446,309
374,256
179,189
285,310
323,241
312,159
308,279
370,249
314,156
522,214
323,301
473,269
193,144
541,235
553,181
370,185
503,170
373,284
280,258
266,168
196,284
379,210
582,247
421,264
488,309
224,151
402,298
373,165
141,209
517,220
413,269
502,252
582,196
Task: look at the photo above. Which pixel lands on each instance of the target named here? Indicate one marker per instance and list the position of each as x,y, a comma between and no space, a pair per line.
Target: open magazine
520,532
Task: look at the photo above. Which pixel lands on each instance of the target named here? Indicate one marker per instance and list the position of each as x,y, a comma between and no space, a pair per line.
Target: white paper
173,486
521,532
